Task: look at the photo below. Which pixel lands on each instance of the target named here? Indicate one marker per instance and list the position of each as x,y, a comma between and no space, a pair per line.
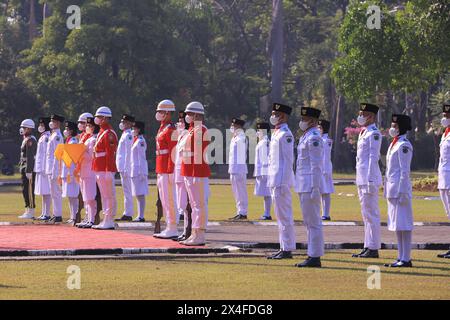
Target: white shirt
123,154
367,157
398,168
444,159
179,156
86,164
51,164
262,157
327,147
238,154
139,165
281,158
41,152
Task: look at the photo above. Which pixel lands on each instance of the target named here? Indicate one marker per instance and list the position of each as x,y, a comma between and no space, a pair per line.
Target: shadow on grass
3,286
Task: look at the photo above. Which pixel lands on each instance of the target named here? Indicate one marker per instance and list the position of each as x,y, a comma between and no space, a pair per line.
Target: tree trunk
32,23
338,130
276,49
46,13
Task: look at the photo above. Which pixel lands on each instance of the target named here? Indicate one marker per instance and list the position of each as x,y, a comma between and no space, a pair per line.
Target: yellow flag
69,153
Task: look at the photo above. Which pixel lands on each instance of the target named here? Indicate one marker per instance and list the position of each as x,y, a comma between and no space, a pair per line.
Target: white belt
162,152
100,154
188,154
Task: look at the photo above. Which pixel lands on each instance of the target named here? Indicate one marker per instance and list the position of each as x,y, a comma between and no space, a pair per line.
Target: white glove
403,198
372,189
29,176
315,194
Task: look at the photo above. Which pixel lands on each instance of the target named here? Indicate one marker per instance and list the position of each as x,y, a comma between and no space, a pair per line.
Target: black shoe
326,218
139,220
370,254
44,218
357,255
124,218
265,218
182,217
444,255
55,220
399,264
238,217
180,238
280,255
310,263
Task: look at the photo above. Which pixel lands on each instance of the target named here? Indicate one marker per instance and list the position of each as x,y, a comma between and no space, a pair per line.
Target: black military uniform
26,165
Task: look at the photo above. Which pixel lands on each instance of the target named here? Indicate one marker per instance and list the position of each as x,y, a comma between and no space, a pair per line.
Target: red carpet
69,238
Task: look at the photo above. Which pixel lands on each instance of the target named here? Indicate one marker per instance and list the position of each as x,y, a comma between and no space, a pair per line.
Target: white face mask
135,133
232,130
66,134
89,130
41,129
21,131
189,119
274,120
361,120
159,116
260,135
445,122
51,125
97,121
122,126
81,127
180,126
393,132
303,125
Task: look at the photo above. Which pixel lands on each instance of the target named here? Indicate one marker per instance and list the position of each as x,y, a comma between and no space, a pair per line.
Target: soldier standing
42,186
327,172
26,166
368,179
281,179
237,168
262,168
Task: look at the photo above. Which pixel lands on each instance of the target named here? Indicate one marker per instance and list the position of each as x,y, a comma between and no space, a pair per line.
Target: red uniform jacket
194,162
166,141
84,137
105,150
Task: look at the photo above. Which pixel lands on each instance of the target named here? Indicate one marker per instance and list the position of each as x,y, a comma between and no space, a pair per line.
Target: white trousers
282,202
91,209
267,206
127,195
105,182
239,187
166,189
198,192
326,204
404,239
56,194
182,201
313,222
445,198
46,205
371,216
73,207
141,206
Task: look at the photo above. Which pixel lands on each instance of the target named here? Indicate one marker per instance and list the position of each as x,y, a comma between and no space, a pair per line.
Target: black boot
444,255
357,255
310,263
280,255
370,254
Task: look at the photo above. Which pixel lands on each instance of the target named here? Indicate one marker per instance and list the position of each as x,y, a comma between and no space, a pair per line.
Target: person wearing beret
309,184
261,168
52,168
70,187
368,179
444,166
42,186
123,165
398,188
237,168
327,174
139,168
281,179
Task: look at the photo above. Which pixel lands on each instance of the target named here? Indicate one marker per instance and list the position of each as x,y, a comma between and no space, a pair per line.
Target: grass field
227,278
345,205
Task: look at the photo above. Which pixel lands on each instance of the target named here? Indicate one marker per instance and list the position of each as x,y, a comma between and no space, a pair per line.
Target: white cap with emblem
28,123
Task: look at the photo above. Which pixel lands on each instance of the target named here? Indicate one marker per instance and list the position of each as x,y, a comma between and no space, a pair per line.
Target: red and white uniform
196,172
104,166
166,141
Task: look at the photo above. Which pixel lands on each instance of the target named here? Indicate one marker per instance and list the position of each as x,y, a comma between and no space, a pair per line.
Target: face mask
66,134
159,116
260,135
274,120
303,125
180,126
51,125
81,127
121,126
393,132
98,121
41,129
135,133
21,131
445,122
89,130
232,130
189,119
361,120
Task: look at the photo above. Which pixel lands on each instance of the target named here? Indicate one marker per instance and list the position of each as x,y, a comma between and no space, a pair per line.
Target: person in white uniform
368,179
444,167
281,178
183,206
398,189
237,168
86,175
261,170
70,187
123,163
327,172
139,169
52,168
42,186
308,184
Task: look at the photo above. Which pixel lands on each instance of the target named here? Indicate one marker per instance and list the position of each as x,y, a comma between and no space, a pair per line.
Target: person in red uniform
196,172
166,141
104,166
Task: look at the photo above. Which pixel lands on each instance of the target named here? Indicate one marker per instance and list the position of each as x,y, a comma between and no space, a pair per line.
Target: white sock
399,245
46,203
407,239
267,206
326,203
73,206
141,206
